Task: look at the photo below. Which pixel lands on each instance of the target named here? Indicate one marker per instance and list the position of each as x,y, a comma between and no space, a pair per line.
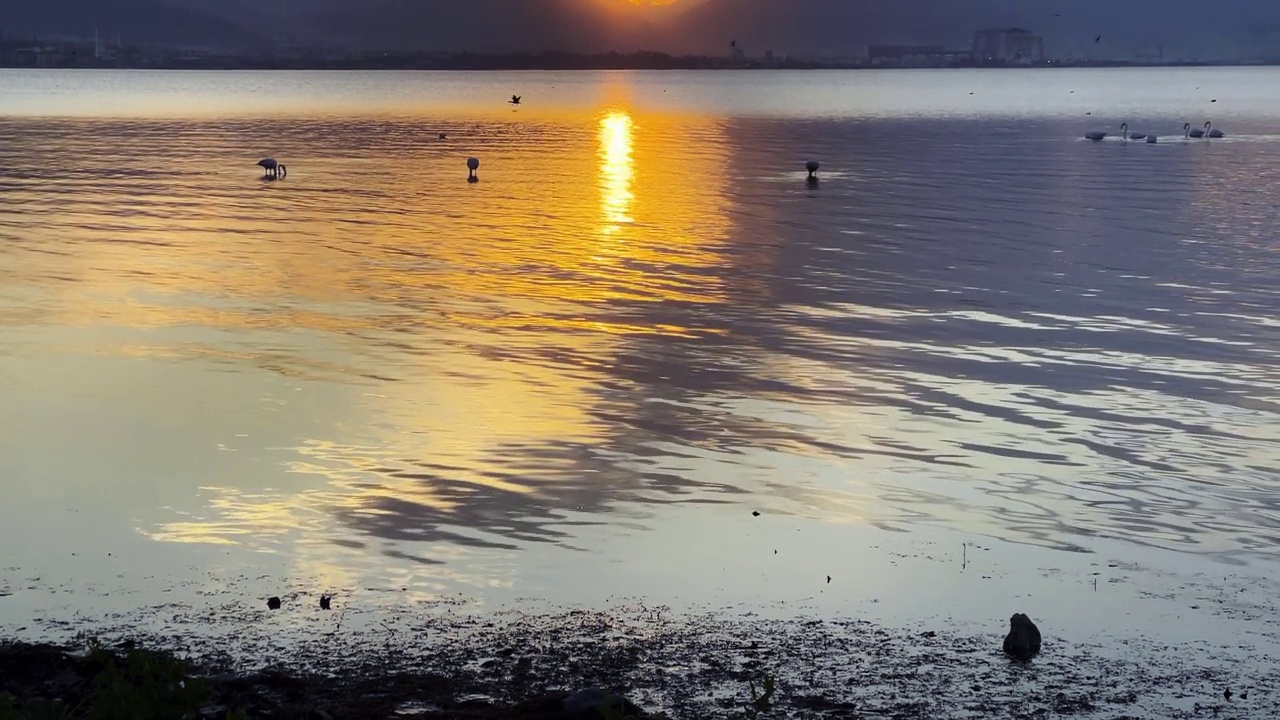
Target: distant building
1012,46
915,56
893,52
38,57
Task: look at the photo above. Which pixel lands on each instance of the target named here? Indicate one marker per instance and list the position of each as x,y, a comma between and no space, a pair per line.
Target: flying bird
733,43
515,100
1097,39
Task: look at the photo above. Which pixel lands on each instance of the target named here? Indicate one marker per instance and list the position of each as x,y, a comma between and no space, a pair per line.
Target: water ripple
968,322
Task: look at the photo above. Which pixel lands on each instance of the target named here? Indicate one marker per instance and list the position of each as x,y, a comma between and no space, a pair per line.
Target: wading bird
271,168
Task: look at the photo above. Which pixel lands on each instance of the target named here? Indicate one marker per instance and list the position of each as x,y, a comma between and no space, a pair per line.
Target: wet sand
1120,639
460,663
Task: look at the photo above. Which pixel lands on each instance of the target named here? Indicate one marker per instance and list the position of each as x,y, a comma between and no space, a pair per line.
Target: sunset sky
812,27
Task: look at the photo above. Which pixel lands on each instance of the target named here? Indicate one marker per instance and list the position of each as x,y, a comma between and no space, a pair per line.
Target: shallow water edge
457,664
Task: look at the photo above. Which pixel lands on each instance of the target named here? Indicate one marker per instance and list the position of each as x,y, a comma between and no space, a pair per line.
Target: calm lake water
983,362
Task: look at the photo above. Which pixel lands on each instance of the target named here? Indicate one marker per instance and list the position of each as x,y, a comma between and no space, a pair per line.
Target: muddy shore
522,665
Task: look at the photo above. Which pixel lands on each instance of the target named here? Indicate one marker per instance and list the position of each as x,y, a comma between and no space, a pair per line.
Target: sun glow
637,3
617,168
449,372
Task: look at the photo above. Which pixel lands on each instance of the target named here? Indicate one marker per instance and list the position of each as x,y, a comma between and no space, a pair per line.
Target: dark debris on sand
524,665
45,681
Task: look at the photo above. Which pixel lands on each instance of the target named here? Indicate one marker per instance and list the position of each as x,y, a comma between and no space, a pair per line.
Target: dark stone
273,603
1064,704
324,602
1023,640
589,704
598,702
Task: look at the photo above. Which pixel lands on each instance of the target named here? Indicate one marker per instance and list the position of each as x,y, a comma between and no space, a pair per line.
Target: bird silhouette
1098,39
271,168
733,43
515,100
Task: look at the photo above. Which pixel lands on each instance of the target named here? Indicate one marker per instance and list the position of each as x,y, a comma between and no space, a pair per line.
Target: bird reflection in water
602,285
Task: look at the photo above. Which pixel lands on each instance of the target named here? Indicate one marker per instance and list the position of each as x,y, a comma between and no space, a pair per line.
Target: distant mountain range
150,21
817,27
806,27
479,25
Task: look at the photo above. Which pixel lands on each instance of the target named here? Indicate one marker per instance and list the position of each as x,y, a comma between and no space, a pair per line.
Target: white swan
1188,132
1124,131
1212,132
1095,135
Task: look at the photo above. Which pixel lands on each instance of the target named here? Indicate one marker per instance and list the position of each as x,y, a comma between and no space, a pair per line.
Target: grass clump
144,685
103,685
761,701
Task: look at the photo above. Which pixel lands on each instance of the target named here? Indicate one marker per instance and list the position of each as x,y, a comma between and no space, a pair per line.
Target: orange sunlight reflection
423,324
617,169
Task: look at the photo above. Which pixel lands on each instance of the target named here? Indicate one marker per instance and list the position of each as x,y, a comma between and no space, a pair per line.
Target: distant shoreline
38,54
223,67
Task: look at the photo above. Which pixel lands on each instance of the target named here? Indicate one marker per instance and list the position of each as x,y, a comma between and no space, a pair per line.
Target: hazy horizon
1230,29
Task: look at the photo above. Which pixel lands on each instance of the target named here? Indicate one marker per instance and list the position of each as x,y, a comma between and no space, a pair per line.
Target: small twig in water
761,702
390,632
